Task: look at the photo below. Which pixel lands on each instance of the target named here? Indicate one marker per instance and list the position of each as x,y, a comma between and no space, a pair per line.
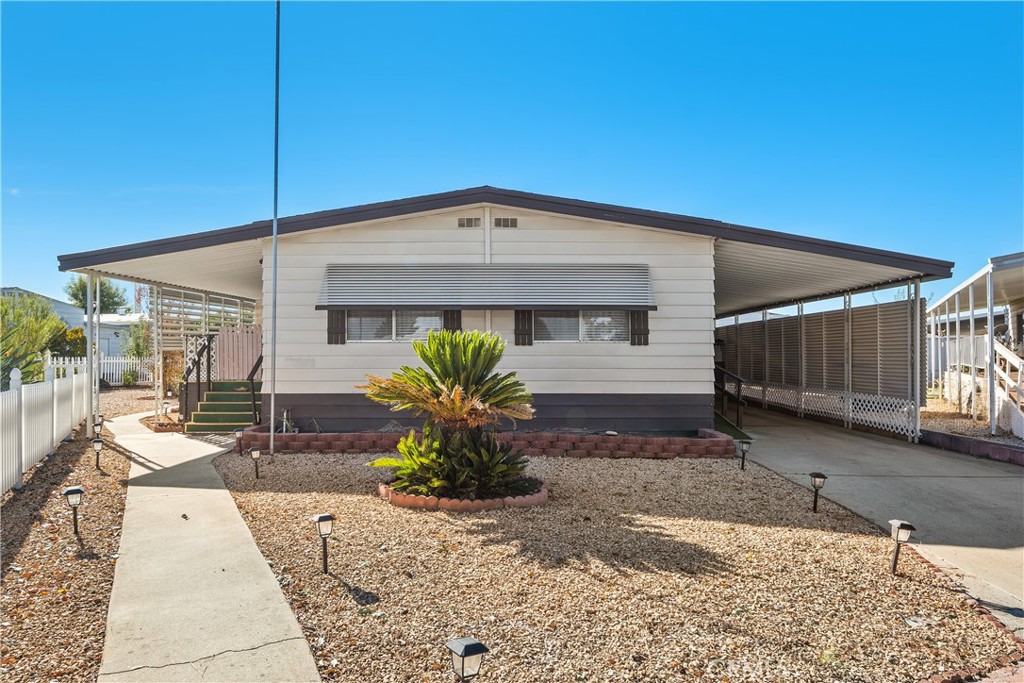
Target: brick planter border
707,444
415,502
978,448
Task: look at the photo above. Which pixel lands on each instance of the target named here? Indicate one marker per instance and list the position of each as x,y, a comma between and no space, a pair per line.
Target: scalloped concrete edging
416,502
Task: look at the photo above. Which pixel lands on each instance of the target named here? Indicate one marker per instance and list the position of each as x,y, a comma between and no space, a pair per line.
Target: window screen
556,326
605,326
369,325
411,325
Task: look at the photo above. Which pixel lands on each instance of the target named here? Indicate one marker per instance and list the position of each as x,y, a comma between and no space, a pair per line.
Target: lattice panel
824,403
783,395
194,342
883,412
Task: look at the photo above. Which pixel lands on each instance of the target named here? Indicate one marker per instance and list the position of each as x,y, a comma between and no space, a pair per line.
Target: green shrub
129,378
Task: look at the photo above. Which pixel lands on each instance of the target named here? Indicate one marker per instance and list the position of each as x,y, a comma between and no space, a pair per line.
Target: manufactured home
608,311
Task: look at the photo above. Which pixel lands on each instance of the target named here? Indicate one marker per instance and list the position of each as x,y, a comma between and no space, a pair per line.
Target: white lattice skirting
889,413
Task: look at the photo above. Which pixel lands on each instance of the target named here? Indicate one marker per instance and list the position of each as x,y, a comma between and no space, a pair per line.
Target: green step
221,417
225,407
210,428
233,384
230,397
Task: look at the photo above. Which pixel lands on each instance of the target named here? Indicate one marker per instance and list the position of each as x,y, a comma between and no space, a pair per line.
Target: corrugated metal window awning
481,286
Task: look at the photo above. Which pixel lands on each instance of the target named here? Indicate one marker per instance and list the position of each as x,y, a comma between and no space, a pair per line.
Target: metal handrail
204,349
252,388
720,375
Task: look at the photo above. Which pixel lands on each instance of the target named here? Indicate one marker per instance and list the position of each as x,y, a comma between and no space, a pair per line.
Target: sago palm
459,388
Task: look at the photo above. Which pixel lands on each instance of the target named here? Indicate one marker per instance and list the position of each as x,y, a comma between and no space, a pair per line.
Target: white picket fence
36,418
112,368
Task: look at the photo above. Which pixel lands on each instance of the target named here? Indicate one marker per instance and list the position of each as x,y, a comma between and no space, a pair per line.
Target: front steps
227,406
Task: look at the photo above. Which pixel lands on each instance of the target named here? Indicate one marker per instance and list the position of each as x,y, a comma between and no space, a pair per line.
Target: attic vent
506,222
469,222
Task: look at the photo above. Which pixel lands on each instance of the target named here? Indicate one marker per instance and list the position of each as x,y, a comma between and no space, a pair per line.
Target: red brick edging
415,502
707,444
1017,655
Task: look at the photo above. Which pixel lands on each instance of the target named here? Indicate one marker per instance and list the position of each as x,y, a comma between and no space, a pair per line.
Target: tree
460,394
28,326
112,297
70,344
139,342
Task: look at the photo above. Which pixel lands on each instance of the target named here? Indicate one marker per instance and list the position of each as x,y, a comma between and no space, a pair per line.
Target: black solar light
467,656
97,445
238,439
73,495
324,527
817,481
97,427
744,447
167,408
254,453
901,531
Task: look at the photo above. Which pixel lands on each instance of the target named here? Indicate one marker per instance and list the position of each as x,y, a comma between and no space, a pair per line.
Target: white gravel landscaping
638,570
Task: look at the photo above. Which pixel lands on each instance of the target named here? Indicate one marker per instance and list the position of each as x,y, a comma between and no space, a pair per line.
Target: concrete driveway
969,512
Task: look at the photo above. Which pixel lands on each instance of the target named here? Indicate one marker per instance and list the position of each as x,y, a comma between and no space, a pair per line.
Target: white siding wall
678,360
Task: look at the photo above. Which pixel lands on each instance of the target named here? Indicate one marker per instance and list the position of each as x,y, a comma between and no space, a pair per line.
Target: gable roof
843,267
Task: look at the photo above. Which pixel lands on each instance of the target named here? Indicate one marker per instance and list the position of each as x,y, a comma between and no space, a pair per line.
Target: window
469,222
506,222
582,326
385,325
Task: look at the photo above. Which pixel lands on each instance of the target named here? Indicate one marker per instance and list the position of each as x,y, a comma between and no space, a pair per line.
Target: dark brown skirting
618,412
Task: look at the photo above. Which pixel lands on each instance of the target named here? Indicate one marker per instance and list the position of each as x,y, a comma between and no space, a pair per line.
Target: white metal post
949,357
48,377
802,357
917,360
974,358
97,356
959,358
933,357
990,367
764,358
89,406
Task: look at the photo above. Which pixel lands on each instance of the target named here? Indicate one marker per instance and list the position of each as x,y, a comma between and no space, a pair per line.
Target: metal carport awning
487,286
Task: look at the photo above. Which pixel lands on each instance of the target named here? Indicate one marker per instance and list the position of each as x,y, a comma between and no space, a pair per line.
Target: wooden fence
36,418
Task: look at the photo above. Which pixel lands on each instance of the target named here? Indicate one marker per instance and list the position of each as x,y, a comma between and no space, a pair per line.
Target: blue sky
898,126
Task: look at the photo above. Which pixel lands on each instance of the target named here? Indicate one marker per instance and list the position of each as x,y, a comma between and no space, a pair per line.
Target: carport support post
949,357
803,362
959,358
990,367
917,360
90,408
974,354
847,358
764,357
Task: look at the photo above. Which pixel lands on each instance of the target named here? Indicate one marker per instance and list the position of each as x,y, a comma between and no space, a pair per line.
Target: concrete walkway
969,513
193,598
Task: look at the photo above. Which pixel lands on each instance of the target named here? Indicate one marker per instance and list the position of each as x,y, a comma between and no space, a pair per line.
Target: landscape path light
167,408
97,427
901,531
744,447
254,453
324,527
817,481
97,445
467,656
73,495
238,439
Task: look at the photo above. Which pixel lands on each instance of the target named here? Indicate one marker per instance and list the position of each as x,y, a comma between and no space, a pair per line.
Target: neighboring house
71,315
609,312
114,331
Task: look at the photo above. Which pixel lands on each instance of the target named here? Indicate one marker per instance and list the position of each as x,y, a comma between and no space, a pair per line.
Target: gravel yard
941,415
55,589
639,570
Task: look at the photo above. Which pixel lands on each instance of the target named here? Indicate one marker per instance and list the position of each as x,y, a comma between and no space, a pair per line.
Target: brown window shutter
451,320
639,332
524,328
335,327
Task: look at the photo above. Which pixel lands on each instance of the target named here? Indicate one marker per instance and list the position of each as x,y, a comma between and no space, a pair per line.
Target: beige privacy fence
855,365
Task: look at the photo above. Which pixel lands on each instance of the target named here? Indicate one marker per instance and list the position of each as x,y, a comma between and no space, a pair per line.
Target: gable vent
506,222
469,222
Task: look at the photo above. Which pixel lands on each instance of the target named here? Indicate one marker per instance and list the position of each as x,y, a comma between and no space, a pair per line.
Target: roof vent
469,222
506,222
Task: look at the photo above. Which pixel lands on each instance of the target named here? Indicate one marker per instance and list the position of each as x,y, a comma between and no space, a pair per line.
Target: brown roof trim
930,268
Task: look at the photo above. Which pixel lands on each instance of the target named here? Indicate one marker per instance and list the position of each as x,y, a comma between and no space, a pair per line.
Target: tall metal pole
974,356
803,358
98,356
847,362
990,369
949,357
959,358
273,275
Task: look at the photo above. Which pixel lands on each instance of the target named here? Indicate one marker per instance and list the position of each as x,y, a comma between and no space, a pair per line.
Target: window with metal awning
487,286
